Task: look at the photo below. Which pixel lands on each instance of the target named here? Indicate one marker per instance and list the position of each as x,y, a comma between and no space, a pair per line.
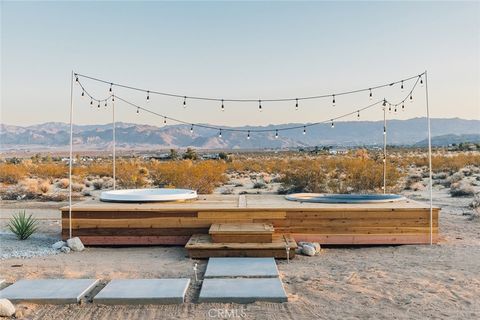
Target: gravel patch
36,245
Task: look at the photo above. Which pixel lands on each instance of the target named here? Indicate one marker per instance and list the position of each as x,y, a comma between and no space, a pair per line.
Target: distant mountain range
55,135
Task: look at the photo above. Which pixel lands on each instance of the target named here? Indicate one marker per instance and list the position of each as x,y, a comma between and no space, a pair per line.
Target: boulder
75,244
7,309
65,249
317,247
58,245
308,250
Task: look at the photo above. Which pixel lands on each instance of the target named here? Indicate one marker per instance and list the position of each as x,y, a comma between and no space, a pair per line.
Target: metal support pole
70,162
429,160
113,153
384,150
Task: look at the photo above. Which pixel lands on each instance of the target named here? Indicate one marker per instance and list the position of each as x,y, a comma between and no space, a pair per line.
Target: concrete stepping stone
242,290
241,267
50,291
143,291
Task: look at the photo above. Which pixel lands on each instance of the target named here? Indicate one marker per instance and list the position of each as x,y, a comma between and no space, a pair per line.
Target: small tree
174,154
190,154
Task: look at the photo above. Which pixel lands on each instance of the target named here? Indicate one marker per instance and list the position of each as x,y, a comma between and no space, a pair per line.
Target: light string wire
138,107
114,84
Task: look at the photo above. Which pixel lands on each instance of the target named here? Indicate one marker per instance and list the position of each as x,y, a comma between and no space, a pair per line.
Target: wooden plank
384,214
133,240
348,239
146,223
129,215
241,228
135,231
204,241
357,230
242,215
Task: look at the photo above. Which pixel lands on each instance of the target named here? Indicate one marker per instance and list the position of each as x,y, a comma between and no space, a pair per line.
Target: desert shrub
203,176
49,170
461,189
131,175
22,226
63,183
303,179
77,187
44,186
475,206
11,173
97,184
259,185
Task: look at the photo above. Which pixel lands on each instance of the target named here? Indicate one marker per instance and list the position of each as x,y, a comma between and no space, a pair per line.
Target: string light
384,102
223,107
333,125
371,95
411,98
248,135
105,103
384,130
333,100
401,87
83,93
148,96
191,129
138,110
91,102
113,98
276,134
395,108
260,105
185,102
111,85
76,78
220,133
304,130
389,108
98,105
358,114
296,104
421,81
164,120
403,106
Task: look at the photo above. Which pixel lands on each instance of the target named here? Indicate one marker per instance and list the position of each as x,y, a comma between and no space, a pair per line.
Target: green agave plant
22,226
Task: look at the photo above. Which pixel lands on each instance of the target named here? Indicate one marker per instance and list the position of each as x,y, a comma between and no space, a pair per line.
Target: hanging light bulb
105,103
91,102
389,107
98,105
401,87
384,130
113,98
403,106
164,120
333,100
333,125
148,96
220,133
358,114
248,135
83,93
111,85
411,98
260,105
191,129
296,104
421,81
185,102
370,94
384,102
276,134
138,110
76,78
395,108
304,130
223,107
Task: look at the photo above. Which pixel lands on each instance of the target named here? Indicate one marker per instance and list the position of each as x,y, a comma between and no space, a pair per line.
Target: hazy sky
237,50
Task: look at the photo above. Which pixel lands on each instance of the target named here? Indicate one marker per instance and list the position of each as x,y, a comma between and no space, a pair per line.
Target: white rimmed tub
344,198
148,195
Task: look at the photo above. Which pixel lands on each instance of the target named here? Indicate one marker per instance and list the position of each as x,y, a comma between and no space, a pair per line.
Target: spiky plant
22,226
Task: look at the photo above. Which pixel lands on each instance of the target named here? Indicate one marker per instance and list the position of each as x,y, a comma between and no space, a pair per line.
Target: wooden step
241,232
201,246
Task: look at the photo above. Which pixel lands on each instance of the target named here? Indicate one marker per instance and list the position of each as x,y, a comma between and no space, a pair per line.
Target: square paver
241,267
242,290
51,291
143,291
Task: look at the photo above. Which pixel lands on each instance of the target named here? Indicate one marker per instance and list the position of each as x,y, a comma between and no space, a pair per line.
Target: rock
7,309
58,245
308,250
19,314
417,186
75,244
317,247
298,250
65,249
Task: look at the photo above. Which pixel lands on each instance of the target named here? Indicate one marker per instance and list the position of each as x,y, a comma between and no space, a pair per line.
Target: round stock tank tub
148,195
344,198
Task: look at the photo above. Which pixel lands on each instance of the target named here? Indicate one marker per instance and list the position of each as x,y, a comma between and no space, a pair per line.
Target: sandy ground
394,282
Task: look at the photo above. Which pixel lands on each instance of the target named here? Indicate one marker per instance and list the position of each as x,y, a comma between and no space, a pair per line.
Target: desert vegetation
353,171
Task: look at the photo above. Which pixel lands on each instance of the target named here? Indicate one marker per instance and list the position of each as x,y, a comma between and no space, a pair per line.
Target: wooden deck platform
102,223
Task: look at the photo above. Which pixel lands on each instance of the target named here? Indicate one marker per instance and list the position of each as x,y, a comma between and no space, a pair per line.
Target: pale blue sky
237,50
